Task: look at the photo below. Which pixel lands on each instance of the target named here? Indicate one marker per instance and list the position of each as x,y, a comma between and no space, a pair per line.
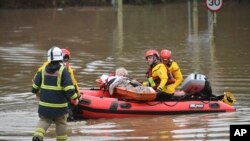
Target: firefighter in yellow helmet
174,71
157,75
53,87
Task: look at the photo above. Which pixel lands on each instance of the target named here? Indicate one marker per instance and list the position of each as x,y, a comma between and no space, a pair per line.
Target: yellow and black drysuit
53,85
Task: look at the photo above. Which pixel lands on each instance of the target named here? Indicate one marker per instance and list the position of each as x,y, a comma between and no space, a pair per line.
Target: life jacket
171,78
157,80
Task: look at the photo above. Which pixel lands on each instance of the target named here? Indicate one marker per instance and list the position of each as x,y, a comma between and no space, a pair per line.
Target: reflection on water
101,39
208,126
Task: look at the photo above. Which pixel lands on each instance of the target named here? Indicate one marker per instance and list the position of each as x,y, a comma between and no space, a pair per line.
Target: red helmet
65,52
166,54
152,52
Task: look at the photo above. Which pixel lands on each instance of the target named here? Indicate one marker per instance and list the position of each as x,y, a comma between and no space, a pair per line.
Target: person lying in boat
106,80
157,75
120,79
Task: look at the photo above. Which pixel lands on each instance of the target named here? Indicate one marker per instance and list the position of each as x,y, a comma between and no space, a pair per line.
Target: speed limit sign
214,5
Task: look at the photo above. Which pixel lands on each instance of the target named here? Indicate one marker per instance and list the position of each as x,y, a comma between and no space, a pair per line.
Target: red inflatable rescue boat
97,103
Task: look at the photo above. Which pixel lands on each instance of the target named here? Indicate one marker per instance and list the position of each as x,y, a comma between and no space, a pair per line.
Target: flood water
101,39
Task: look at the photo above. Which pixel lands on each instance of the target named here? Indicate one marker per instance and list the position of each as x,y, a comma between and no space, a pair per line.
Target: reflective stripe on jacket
55,90
71,72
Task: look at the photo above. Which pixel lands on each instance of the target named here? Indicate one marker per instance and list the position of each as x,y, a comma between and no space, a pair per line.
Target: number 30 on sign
214,5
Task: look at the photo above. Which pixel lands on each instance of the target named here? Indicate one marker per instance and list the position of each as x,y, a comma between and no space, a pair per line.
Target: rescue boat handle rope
159,102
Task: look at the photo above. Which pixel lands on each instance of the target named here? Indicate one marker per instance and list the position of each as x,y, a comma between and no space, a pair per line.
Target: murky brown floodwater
101,41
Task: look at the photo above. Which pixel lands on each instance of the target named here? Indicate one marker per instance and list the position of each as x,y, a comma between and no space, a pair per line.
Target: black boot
36,139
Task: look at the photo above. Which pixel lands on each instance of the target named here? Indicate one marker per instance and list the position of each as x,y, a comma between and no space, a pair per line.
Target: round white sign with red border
214,5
